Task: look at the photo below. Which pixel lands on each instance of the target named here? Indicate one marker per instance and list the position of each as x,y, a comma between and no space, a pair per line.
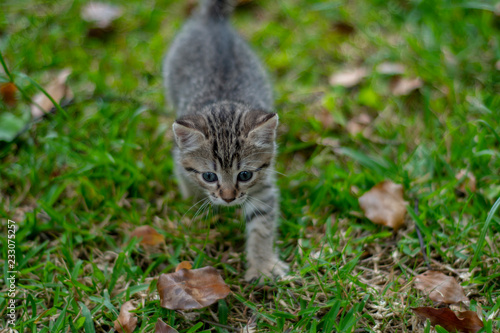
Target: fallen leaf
390,68
440,288
161,327
357,124
148,235
349,77
100,14
191,289
466,322
126,321
467,182
57,89
8,92
183,265
343,28
384,204
401,86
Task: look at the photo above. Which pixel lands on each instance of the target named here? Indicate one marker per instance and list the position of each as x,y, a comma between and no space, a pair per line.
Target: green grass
78,182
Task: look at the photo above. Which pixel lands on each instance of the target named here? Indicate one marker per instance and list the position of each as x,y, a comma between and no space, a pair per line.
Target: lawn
78,181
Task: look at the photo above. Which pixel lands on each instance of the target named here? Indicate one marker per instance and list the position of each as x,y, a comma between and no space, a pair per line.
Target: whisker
246,165
195,204
209,213
257,210
201,209
242,224
279,173
262,202
274,209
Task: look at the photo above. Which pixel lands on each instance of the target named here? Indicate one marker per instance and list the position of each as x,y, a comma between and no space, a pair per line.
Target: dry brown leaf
126,321
183,265
8,92
161,327
357,124
401,86
148,235
384,204
57,89
466,322
191,289
100,14
349,77
390,68
343,28
467,181
440,288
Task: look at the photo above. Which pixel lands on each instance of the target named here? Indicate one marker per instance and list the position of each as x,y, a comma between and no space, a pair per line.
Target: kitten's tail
217,9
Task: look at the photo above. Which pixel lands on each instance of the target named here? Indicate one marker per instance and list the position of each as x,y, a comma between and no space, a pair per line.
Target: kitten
225,131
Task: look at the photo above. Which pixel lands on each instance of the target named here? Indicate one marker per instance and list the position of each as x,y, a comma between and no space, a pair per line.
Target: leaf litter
100,14
440,288
348,77
148,236
101,17
466,321
127,320
183,265
358,124
161,327
8,92
401,86
384,204
467,182
390,68
191,289
57,89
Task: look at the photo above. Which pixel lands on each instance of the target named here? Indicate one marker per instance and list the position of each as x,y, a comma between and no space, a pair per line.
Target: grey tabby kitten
225,131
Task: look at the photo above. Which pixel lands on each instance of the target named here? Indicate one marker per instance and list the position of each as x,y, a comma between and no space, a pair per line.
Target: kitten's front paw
272,268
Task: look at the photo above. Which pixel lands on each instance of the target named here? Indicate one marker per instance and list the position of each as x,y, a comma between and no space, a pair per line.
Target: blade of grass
482,236
56,104
89,324
5,68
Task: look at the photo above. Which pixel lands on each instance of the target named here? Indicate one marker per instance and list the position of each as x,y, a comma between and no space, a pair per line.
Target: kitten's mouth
220,202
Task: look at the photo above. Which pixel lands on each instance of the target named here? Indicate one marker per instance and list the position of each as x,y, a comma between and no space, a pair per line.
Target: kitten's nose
228,195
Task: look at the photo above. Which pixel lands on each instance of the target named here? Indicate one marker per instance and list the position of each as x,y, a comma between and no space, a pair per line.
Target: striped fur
225,127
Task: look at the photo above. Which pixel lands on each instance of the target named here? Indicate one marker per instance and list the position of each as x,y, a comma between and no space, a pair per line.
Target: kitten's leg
261,212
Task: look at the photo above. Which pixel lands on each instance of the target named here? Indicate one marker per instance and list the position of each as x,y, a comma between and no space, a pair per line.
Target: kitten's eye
245,176
209,177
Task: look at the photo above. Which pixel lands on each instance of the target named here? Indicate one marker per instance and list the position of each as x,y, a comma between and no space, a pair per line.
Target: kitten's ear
263,132
189,133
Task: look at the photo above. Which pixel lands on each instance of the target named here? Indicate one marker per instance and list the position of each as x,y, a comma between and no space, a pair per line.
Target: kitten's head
226,150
